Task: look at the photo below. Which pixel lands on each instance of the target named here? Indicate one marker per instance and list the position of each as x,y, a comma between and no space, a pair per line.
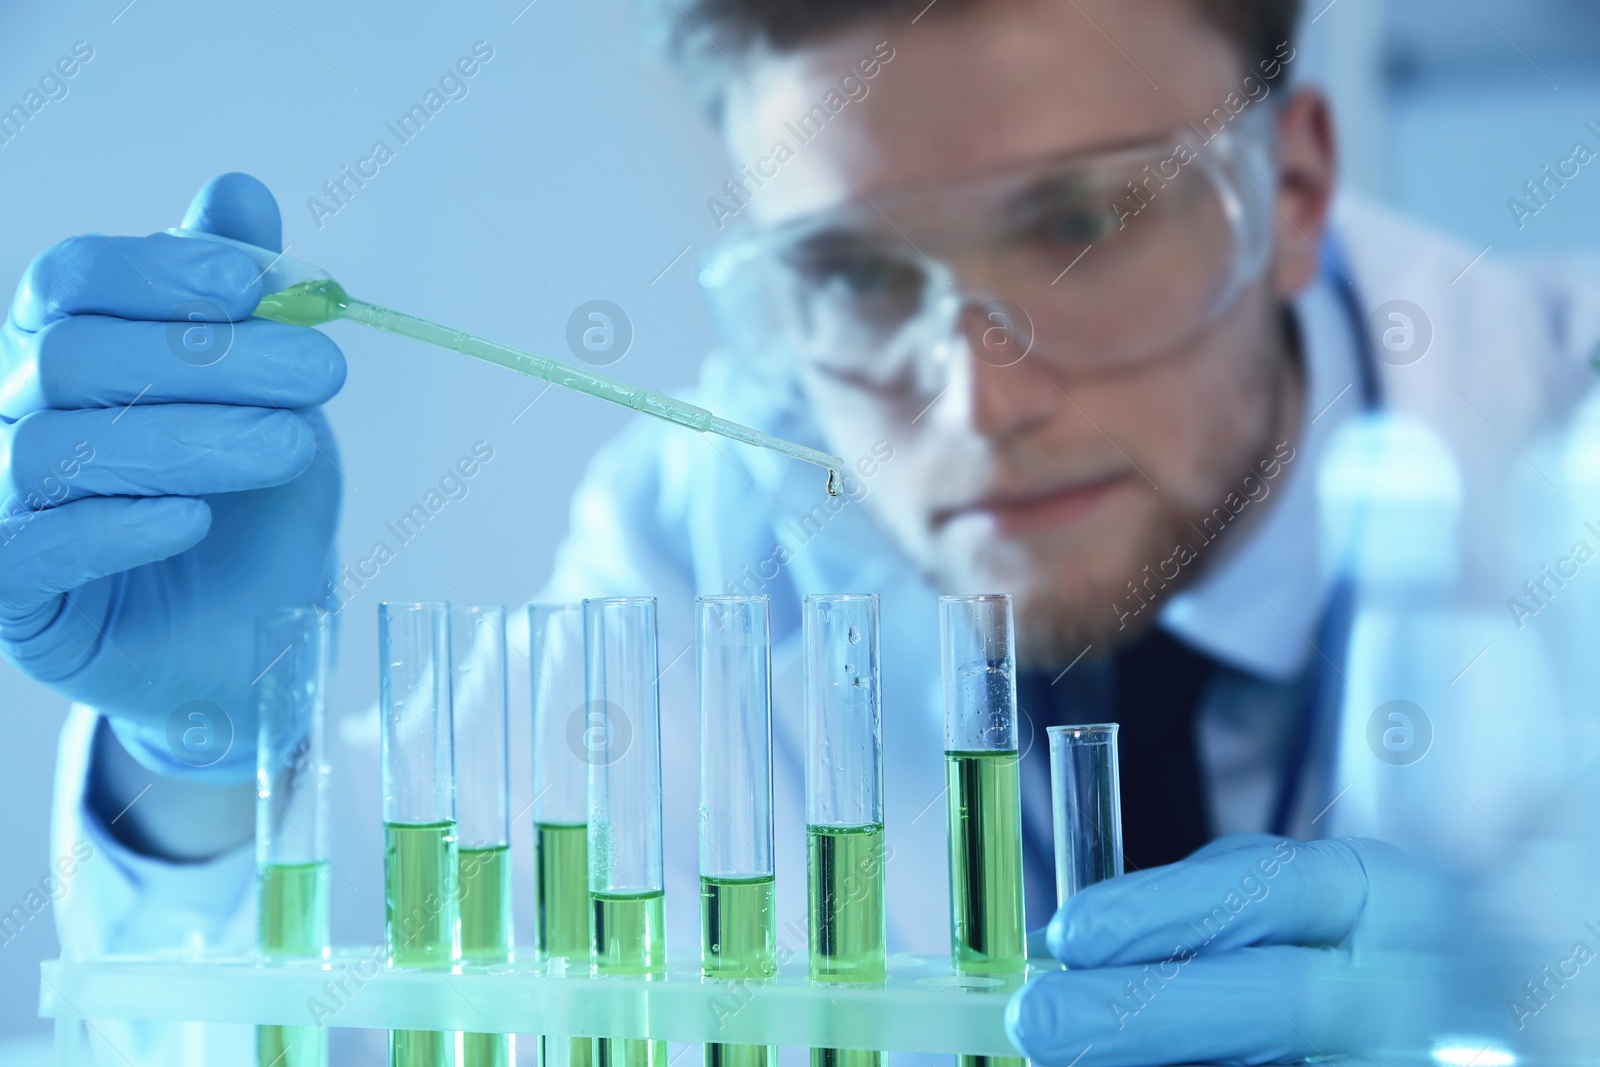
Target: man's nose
1009,390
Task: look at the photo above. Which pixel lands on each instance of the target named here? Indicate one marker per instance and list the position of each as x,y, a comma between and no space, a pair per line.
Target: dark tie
1152,689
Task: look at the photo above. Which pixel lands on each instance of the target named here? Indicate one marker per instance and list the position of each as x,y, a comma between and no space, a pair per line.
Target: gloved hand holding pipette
167,473
301,294
144,376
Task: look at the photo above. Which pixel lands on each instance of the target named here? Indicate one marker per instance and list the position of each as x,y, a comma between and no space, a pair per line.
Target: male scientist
1065,284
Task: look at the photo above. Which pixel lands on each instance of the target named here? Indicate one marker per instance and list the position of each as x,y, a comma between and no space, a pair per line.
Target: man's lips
1020,514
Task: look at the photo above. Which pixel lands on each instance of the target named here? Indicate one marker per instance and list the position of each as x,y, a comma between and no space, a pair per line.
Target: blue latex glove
1253,950
164,481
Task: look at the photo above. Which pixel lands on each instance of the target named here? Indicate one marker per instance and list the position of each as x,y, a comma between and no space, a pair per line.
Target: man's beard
1071,592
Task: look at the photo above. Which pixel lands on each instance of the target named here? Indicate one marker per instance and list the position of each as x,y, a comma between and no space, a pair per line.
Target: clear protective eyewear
1092,261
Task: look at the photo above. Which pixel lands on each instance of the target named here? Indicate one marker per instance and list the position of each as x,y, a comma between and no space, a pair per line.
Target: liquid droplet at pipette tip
835,483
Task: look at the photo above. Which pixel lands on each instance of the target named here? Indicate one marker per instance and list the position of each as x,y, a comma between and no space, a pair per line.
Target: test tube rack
923,1007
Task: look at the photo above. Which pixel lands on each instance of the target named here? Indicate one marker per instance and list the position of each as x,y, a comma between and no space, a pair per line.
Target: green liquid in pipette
561,910
630,937
988,934
738,940
422,923
292,923
314,303
484,878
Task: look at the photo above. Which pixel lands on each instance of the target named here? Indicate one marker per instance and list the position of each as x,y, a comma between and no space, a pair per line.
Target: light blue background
578,157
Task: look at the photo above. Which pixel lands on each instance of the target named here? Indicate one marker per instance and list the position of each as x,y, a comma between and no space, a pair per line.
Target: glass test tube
291,783
422,924
1086,800
988,934
738,926
844,800
621,742
560,802
483,817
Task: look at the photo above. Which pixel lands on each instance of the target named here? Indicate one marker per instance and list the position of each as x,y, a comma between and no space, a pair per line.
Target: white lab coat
660,512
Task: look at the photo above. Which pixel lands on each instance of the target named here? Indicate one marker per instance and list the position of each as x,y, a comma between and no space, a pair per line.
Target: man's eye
866,277
1076,225
878,277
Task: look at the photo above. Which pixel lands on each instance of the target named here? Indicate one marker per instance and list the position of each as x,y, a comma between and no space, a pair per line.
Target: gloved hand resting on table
1253,950
166,475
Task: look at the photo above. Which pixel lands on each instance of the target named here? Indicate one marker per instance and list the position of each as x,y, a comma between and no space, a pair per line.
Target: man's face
1028,477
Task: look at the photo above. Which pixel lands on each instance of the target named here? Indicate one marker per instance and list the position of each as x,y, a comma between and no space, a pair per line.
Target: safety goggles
1093,261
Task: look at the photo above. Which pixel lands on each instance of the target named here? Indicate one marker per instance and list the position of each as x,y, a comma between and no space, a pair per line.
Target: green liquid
630,937
738,930
738,939
844,870
847,1057
292,920
844,875
485,896
291,1046
422,923
292,923
313,303
740,1055
988,934
630,932
561,908
561,890
306,304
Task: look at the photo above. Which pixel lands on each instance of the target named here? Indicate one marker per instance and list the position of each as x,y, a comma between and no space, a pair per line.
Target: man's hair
705,36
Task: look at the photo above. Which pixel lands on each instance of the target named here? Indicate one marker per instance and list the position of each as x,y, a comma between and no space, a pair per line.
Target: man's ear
1308,165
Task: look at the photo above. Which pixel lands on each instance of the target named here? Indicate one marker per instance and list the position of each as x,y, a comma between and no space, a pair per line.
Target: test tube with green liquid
483,816
291,782
738,927
988,934
844,800
622,745
422,925
560,804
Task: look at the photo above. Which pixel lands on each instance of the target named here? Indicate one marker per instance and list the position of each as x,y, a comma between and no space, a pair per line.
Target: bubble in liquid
854,635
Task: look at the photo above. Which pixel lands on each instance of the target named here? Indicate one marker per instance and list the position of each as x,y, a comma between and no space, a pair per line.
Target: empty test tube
483,816
291,783
560,803
844,800
738,927
422,923
1086,800
622,745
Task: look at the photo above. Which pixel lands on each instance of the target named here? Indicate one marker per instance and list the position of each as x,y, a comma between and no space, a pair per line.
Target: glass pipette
304,295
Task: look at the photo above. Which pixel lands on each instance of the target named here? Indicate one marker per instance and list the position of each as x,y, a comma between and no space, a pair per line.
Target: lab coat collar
1258,603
